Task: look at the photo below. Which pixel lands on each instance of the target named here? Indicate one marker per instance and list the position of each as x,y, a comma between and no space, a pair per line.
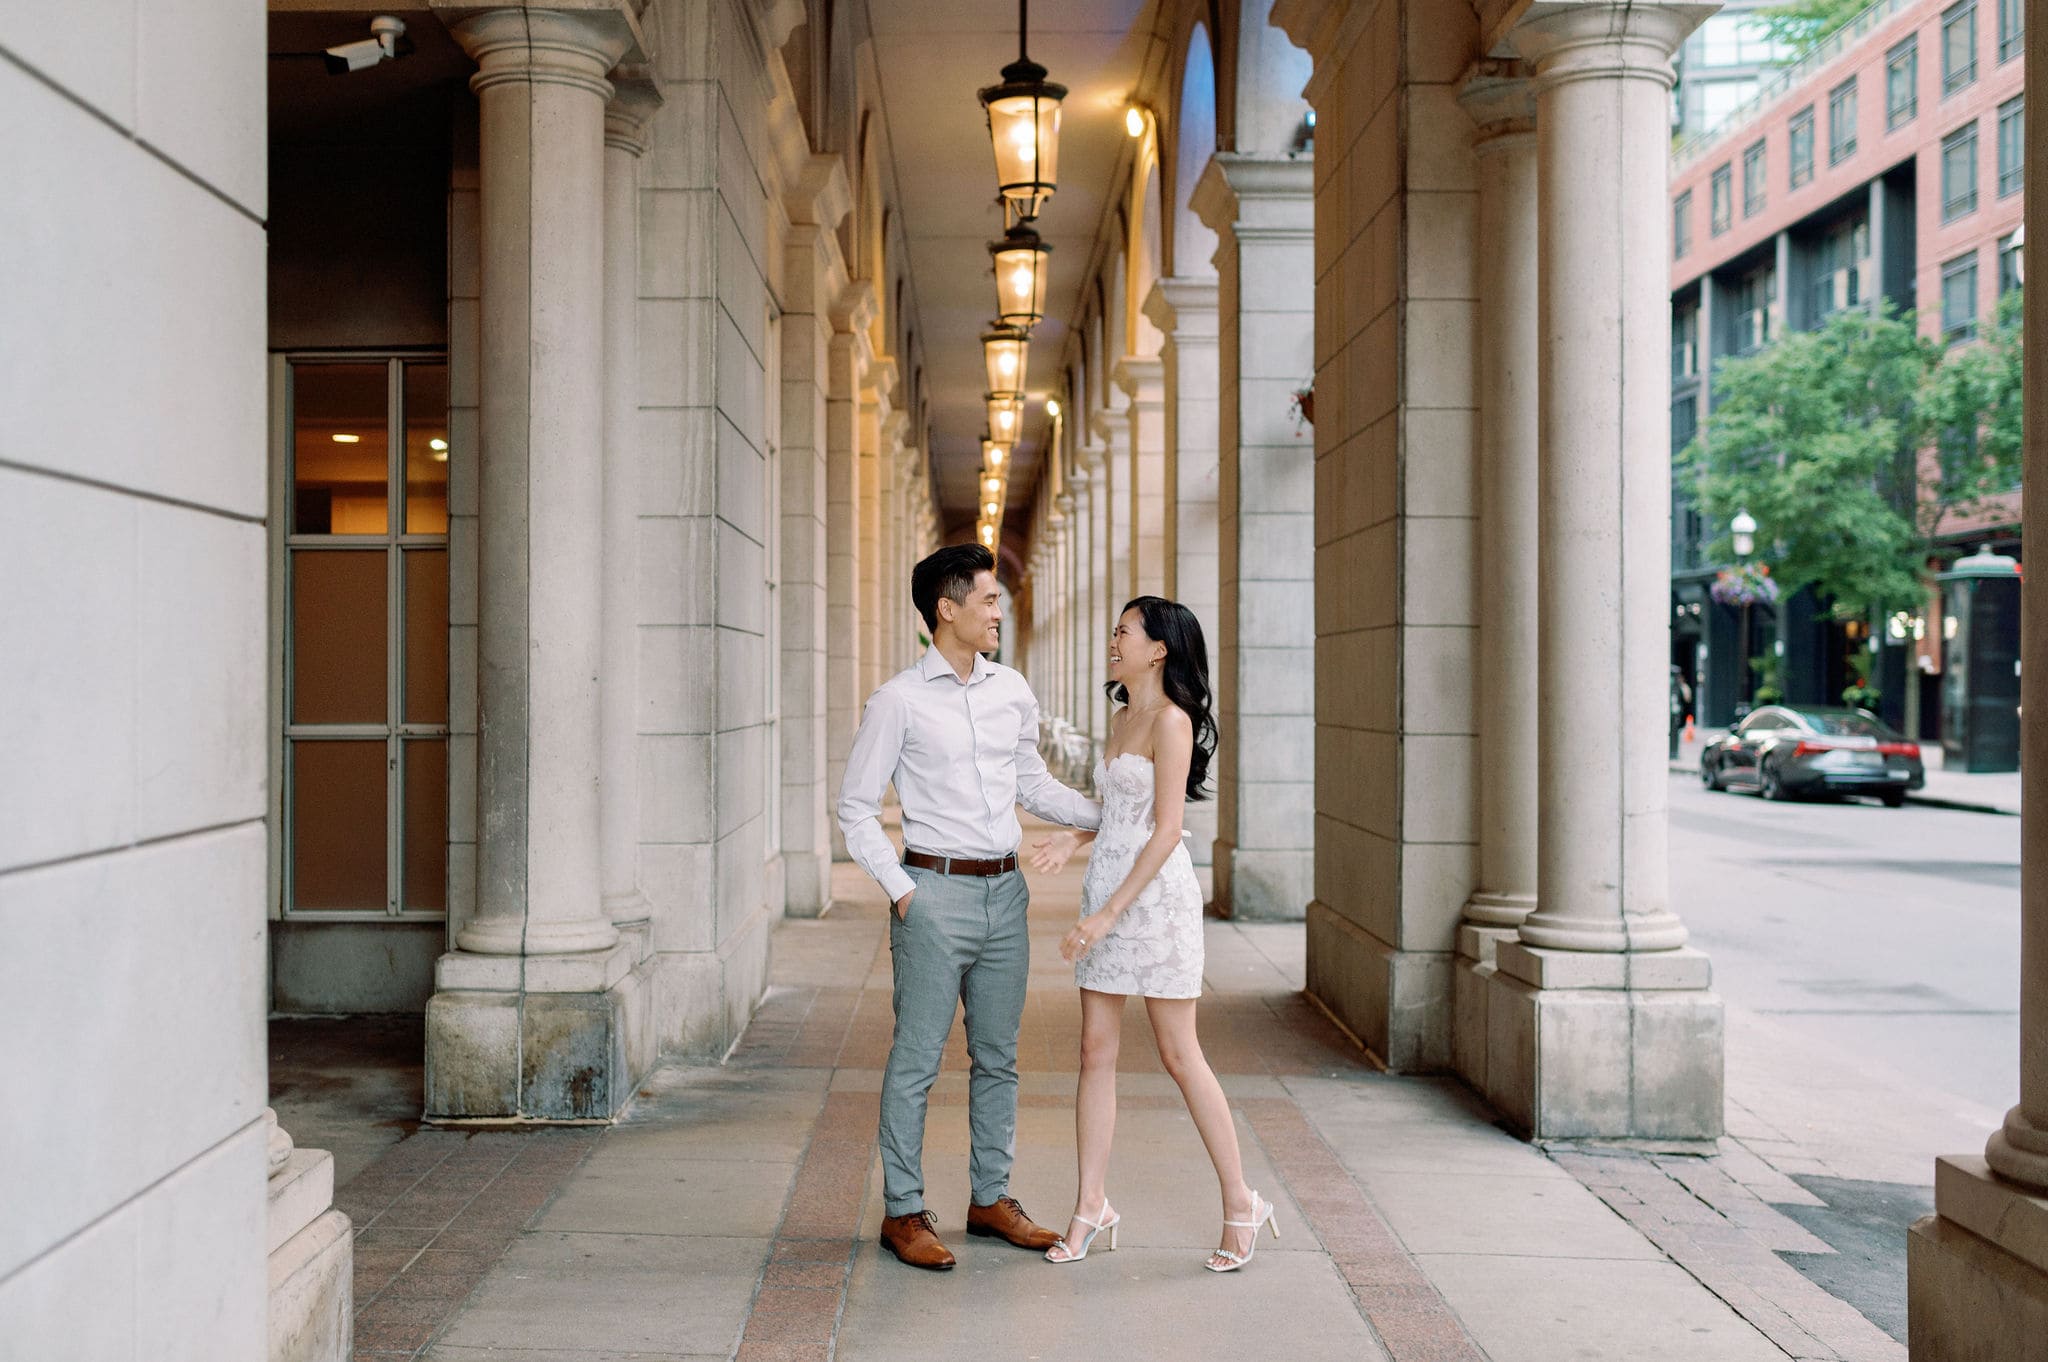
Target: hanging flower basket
1749,584
1302,407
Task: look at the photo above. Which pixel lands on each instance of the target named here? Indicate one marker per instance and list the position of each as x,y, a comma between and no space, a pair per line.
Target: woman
1141,925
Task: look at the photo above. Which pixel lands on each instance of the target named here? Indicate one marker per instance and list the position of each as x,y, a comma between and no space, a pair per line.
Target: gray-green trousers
964,941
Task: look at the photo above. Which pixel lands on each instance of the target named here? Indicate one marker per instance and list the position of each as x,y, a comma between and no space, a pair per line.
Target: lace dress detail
1155,949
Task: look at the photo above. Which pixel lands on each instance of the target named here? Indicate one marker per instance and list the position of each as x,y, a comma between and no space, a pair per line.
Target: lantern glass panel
1020,282
1004,354
1005,417
1025,129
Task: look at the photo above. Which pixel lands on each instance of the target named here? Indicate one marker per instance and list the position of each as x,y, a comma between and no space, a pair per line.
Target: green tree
1801,23
1853,444
1816,437
1971,409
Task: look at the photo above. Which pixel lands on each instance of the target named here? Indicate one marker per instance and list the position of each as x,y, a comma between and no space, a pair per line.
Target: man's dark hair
947,574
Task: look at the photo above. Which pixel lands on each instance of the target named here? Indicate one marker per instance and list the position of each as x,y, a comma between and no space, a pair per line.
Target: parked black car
1783,752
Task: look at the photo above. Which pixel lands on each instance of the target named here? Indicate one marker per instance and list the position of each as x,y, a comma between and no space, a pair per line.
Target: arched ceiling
931,57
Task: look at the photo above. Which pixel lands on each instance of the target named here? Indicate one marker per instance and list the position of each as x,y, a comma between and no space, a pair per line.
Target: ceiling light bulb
1052,406
348,439
437,443
1134,121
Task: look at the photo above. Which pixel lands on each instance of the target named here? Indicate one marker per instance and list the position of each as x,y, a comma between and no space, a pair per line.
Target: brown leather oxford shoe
913,1239
1006,1220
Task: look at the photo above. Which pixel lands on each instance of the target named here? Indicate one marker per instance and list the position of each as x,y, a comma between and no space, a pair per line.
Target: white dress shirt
963,755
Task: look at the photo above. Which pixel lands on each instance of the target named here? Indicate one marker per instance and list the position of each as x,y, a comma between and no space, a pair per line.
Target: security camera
385,43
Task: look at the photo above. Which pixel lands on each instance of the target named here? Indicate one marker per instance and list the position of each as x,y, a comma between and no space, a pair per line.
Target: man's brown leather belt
960,865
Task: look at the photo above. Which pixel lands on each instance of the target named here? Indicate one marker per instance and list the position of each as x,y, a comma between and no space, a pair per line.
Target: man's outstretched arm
1042,795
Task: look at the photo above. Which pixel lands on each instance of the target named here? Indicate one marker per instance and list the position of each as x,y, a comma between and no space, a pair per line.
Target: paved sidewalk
1987,792
733,1213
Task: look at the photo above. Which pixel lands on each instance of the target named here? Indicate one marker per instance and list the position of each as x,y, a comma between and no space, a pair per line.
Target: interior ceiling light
1003,353
1052,406
1134,121
992,486
994,452
348,439
1005,416
1021,266
1024,128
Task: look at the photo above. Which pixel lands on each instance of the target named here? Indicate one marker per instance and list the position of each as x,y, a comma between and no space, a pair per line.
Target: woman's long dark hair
1185,678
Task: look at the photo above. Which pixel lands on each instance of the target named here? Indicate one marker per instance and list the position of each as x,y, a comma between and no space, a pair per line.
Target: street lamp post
1742,530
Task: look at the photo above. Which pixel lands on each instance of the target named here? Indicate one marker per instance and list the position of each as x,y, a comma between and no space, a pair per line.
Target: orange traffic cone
1690,734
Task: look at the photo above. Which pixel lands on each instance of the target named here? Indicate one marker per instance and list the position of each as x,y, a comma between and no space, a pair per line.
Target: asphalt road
1890,933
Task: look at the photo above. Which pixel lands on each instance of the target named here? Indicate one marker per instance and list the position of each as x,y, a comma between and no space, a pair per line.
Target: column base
807,891
1471,976
538,1038
1579,1056
312,1272
1977,1269
1262,885
1398,1003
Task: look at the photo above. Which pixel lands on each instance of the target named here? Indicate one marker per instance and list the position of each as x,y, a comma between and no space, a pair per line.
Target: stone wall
132,851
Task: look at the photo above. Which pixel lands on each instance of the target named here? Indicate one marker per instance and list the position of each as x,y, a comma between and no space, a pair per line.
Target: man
958,734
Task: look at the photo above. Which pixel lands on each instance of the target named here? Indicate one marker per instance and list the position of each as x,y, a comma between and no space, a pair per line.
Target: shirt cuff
896,882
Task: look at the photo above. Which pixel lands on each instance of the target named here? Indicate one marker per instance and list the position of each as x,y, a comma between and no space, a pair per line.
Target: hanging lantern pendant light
1003,351
1021,259
1024,128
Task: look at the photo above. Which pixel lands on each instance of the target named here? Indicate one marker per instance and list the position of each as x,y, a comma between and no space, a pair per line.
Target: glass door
364,574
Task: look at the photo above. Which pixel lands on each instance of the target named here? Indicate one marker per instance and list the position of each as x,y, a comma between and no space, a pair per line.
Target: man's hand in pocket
902,906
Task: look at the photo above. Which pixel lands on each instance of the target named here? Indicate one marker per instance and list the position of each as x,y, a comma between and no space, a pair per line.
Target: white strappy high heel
1110,1220
1262,1218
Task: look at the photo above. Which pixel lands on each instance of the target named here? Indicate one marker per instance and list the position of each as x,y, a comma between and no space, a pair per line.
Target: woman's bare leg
1102,1017
1173,1026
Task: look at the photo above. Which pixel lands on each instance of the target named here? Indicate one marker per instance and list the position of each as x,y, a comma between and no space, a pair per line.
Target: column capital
1604,39
1235,189
565,43
1326,30
1142,377
1183,306
636,94
820,197
1499,97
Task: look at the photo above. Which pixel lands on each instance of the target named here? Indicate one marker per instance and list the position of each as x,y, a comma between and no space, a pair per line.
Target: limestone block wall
132,704
707,502
1394,516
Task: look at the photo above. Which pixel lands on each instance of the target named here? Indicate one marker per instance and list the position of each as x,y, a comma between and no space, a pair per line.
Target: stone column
1600,1022
1101,586
1143,380
1499,99
843,696
815,276
868,567
1977,1269
625,141
1263,214
1112,431
1184,310
539,1014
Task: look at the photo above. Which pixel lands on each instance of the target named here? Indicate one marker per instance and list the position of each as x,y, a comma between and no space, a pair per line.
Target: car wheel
1773,786
1710,775
1893,799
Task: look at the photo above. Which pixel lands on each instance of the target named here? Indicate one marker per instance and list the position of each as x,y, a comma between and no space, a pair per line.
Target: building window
363,557
2012,29
2008,264
1839,262
2012,146
1842,121
1958,46
1723,201
1902,83
1753,170
1959,298
1685,342
1681,225
1756,305
1959,173
1799,146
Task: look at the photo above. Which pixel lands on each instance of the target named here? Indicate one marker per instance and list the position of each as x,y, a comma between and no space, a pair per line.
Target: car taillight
1811,749
1900,749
